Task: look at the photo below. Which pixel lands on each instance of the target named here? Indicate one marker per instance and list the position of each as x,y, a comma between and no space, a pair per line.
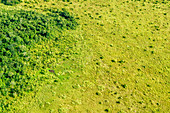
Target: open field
85,56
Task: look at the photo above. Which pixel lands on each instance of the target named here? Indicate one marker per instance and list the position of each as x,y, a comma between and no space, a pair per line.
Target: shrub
11,2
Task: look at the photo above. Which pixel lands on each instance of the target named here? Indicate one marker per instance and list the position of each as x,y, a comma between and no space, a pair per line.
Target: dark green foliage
106,110
124,85
46,0
66,0
11,2
19,30
67,21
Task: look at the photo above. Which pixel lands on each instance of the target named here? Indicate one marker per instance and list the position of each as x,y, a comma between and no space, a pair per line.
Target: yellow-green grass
120,61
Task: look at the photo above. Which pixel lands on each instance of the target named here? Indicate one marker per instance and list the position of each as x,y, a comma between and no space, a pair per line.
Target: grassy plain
116,60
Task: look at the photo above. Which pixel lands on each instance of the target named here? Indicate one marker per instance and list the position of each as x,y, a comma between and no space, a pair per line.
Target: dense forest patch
19,31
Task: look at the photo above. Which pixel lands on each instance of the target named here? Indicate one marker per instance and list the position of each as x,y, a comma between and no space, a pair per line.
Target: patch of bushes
19,31
11,2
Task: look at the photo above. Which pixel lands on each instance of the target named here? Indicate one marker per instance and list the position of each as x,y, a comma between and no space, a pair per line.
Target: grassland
116,60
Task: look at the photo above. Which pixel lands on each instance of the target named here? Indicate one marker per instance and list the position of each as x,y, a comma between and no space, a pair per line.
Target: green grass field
86,56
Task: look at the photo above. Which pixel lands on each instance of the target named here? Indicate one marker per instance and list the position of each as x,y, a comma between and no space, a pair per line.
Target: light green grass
117,62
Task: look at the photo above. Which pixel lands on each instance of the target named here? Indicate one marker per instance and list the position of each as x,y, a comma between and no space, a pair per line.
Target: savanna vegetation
20,31
84,56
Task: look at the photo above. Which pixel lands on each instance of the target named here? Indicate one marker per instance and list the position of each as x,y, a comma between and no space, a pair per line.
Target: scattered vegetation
19,31
11,2
115,61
